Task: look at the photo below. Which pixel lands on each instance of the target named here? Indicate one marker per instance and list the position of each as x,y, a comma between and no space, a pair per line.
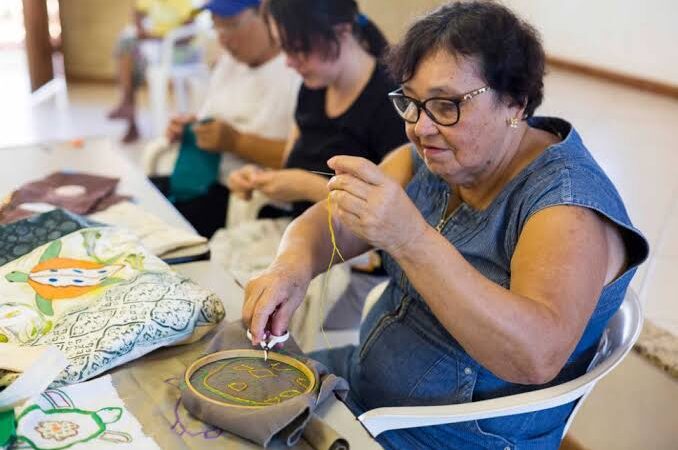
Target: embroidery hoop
230,354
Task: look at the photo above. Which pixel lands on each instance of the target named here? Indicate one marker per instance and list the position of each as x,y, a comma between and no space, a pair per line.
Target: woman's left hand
289,185
373,206
215,136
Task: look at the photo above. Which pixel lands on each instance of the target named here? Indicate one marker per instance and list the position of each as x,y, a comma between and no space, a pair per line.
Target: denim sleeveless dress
407,358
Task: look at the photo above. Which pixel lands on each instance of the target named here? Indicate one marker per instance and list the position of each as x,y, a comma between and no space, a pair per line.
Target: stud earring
512,122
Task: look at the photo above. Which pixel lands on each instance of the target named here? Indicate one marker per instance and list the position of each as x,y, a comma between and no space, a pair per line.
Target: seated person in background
508,250
342,106
250,104
152,20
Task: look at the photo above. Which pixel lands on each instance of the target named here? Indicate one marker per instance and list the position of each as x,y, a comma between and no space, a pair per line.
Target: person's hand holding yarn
373,206
175,128
215,136
240,182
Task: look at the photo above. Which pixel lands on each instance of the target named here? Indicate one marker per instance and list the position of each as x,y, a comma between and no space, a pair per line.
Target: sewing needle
319,172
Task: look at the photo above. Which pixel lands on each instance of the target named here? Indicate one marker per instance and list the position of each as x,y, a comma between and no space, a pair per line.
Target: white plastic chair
618,339
162,69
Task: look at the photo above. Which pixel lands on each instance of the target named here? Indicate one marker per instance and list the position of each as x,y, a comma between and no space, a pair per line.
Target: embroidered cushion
102,298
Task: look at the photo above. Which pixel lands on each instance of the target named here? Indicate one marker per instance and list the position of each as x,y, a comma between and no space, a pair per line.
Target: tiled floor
632,136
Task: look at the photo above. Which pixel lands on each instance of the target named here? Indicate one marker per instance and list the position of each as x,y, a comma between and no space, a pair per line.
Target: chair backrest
620,334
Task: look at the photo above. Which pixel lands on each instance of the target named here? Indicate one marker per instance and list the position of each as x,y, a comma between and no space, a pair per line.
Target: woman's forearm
260,150
315,187
509,334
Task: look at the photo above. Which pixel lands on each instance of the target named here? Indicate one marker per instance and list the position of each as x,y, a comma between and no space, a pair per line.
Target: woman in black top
342,109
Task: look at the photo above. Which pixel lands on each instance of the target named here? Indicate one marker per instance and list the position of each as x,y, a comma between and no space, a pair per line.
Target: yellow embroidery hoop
245,353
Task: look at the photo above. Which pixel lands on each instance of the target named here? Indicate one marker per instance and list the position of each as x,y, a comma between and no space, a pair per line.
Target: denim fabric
406,357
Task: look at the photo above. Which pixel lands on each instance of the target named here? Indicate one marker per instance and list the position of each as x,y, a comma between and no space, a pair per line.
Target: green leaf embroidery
17,277
111,260
47,328
44,305
110,281
52,251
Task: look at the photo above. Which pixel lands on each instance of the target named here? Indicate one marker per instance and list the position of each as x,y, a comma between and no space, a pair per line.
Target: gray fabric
283,422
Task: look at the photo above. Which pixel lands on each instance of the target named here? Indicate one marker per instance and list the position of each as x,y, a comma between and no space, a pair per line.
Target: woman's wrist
316,186
411,246
293,266
230,138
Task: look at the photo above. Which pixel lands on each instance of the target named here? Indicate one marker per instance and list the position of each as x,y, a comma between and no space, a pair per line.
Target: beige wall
394,16
625,36
90,30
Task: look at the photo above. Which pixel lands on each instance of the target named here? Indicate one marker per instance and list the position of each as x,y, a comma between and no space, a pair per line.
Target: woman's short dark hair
307,25
508,50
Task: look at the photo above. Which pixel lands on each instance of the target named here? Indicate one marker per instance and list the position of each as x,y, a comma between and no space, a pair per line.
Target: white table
22,164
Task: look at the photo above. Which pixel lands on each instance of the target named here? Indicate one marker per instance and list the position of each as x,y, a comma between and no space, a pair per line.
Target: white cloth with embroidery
87,416
248,248
103,299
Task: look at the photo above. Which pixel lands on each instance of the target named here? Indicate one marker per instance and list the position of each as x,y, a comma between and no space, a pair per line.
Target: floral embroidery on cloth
57,429
84,416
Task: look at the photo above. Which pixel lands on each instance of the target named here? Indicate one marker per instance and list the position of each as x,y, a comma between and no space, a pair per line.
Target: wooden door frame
38,43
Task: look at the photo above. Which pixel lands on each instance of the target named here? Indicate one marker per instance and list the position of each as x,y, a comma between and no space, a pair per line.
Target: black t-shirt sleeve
387,130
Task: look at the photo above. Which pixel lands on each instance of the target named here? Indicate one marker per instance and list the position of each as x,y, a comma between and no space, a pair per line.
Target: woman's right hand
176,126
271,298
241,182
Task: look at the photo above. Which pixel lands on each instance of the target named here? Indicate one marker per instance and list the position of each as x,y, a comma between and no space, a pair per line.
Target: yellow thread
326,277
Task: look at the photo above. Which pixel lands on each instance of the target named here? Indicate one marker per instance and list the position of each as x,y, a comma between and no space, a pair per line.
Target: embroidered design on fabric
247,381
150,310
22,323
64,425
185,424
138,306
56,278
57,429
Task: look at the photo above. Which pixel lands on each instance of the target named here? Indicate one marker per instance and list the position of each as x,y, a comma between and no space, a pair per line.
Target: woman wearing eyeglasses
508,250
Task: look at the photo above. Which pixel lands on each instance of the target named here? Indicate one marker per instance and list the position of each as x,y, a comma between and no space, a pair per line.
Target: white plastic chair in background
162,69
618,339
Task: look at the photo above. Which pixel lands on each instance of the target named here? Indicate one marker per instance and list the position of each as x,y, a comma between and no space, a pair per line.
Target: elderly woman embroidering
508,249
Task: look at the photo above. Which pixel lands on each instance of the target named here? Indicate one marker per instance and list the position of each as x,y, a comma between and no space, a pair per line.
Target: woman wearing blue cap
246,116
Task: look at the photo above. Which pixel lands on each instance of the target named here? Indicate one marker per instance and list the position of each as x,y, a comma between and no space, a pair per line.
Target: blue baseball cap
228,8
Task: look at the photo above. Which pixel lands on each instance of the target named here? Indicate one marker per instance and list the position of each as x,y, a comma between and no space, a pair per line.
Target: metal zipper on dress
443,219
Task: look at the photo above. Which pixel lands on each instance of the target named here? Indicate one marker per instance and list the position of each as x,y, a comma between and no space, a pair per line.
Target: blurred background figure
152,20
246,117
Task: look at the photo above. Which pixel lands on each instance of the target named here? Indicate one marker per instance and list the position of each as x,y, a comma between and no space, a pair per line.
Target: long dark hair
508,50
306,25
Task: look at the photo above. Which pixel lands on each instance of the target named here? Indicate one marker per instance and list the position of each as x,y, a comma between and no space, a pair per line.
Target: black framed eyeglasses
443,111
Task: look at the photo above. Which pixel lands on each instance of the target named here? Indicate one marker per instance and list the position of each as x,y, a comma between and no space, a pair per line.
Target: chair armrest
155,151
379,420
